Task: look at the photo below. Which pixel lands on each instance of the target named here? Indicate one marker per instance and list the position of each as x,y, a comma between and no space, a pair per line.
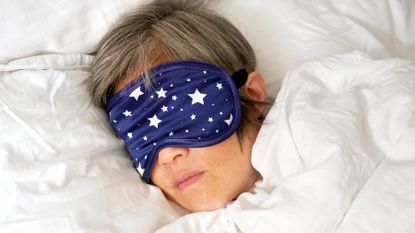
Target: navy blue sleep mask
190,104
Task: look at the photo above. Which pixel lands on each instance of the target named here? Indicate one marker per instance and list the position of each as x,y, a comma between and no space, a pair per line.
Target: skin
214,175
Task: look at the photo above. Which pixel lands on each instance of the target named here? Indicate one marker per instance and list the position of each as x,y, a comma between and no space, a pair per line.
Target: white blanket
336,152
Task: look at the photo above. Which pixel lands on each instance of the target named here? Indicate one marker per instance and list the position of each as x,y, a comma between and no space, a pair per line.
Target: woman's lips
188,179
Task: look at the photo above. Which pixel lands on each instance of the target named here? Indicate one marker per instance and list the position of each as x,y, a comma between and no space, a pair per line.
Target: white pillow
283,33
289,32
61,167
34,27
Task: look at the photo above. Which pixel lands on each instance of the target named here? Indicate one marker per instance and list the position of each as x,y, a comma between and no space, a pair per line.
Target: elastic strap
239,78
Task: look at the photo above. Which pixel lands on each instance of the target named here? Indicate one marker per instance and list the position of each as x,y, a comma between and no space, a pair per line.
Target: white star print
129,135
193,116
164,108
127,113
161,93
174,97
219,85
154,121
145,138
136,93
171,133
204,71
140,169
210,119
229,120
197,97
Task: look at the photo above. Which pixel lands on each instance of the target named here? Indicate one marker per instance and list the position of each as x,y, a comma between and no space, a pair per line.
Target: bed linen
336,153
62,170
283,33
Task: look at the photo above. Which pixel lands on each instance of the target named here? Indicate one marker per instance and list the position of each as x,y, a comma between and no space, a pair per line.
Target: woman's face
208,178
205,178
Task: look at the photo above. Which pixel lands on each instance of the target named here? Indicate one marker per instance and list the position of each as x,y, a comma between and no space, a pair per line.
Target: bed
336,152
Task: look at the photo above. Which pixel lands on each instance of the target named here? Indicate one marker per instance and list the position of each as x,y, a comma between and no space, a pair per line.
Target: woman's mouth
188,179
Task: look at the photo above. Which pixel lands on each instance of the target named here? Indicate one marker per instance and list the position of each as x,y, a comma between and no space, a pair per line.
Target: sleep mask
189,104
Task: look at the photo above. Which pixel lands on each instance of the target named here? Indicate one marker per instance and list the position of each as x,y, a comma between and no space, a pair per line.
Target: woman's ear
255,89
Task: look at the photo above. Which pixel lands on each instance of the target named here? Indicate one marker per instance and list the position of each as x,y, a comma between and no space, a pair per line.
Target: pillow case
283,33
62,168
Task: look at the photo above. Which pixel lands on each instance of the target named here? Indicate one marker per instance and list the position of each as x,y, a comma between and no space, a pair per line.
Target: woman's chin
205,205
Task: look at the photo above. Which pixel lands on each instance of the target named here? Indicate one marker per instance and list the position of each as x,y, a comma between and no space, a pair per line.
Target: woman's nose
169,154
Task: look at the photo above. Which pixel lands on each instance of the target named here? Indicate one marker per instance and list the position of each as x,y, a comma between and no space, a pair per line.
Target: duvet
336,153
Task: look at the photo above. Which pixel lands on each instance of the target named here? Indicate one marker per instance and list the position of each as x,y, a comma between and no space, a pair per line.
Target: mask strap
239,78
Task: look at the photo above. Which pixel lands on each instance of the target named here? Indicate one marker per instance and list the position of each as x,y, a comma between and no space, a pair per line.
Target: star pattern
140,169
229,120
197,97
127,113
154,121
219,86
136,93
198,106
161,93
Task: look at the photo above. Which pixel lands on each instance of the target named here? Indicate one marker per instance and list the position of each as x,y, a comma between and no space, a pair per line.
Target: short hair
168,30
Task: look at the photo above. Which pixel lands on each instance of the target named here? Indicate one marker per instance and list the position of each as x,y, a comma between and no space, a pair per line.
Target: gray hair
168,30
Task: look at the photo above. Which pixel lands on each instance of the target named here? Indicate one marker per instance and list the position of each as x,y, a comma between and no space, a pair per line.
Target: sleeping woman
181,89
